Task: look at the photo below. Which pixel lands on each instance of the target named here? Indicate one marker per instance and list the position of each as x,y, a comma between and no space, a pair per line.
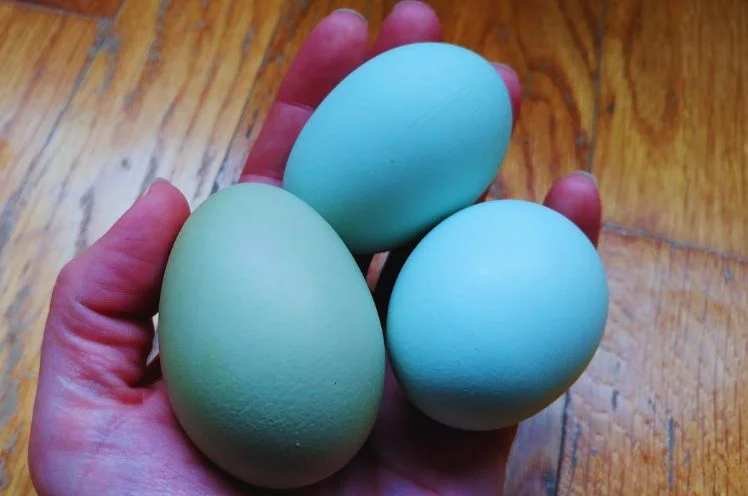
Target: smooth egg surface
495,314
409,137
270,342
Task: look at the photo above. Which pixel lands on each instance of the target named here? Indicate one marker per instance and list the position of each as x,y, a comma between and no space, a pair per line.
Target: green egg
270,342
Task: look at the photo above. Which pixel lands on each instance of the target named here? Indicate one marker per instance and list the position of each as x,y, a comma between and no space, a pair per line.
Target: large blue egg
406,139
495,314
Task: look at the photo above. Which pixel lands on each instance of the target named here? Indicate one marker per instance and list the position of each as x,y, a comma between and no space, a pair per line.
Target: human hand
102,422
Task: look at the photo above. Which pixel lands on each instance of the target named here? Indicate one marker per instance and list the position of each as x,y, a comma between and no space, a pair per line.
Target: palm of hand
102,421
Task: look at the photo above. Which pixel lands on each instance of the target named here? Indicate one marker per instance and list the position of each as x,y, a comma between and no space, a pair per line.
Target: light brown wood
553,48
93,108
88,7
532,467
671,148
161,96
42,57
662,407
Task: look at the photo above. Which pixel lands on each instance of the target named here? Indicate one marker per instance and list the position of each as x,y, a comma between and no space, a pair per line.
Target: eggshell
409,137
270,342
495,314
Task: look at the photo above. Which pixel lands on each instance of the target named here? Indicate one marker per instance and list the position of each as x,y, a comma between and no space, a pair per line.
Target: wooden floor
97,97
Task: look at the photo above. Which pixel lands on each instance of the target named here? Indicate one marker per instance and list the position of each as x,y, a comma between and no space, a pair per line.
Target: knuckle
67,280
67,273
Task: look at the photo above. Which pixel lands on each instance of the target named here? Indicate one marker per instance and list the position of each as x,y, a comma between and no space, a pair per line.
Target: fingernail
506,68
509,75
586,174
155,182
406,2
258,178
350,11
413,3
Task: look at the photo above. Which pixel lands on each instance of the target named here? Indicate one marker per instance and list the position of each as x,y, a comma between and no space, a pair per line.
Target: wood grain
553,46
532,467
161,96
660,409
649,95
43,56
87,7
671,151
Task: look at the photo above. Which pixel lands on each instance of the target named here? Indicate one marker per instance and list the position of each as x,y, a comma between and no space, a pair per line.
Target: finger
267,160
513,86
333,49
99,329
410,21
577,197
388,275
455,461
376,264
363,262
151,373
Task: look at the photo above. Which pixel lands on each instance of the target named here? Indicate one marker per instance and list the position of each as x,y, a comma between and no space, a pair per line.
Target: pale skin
102,421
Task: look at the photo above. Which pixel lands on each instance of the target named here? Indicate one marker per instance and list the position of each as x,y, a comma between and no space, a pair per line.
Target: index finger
333,49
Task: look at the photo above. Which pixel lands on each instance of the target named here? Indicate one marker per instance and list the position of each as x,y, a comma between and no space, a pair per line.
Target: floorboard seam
48,9
635,232
559,465
599,38
597,90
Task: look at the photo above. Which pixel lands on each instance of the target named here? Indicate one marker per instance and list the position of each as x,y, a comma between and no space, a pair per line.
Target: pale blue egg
495,314
406,139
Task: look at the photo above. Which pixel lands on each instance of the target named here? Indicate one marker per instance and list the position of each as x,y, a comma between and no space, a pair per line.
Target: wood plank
43,55
168,83
162,97
104,8
660,409
670,151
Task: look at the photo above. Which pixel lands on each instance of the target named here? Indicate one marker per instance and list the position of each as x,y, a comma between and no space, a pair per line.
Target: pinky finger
577,197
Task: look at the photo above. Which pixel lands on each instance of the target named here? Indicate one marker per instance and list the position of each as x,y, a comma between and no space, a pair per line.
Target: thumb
99,329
